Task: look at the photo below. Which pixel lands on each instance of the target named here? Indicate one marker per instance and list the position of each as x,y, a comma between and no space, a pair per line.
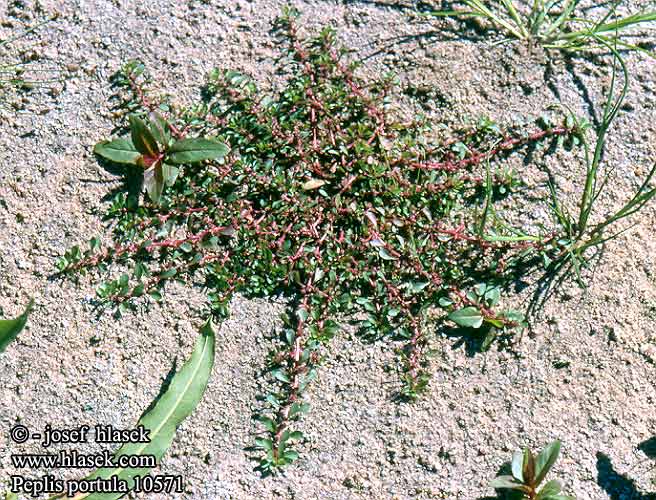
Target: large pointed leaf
142,137
195,150
468,317
170,173
118,151
177,403
10,328
545,460
154,182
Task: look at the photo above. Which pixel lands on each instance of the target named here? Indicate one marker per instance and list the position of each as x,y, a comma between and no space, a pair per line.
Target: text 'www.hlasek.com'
115,470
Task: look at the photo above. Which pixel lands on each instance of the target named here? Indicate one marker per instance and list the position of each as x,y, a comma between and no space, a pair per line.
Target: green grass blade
565,16
611,109
615,26
643,195
494,18
452,13
25,33
514,15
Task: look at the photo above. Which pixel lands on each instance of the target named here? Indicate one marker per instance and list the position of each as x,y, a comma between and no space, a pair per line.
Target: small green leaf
469,317
385,255
142,138
553,487
159,128
195,150
170,173
290,455
265,444
492,296
169,273
281,375
445,302
10,328
268,423
494,322
296,435
118,151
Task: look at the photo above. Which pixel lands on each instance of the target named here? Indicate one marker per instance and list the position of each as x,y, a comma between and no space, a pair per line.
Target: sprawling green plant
319,193
556,24
528,473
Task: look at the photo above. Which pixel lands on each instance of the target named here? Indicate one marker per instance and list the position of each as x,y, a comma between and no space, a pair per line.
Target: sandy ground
584,374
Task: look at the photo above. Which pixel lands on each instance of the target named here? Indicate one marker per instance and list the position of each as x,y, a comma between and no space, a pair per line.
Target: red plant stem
508,144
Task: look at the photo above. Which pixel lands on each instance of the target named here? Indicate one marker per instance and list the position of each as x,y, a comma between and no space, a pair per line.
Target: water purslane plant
319,193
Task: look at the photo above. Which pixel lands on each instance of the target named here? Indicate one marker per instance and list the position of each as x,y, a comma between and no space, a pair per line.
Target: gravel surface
583,374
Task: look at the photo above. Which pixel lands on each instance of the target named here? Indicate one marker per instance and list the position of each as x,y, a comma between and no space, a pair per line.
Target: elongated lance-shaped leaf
142,137
545,460
177,403
10,328
119,151
195,150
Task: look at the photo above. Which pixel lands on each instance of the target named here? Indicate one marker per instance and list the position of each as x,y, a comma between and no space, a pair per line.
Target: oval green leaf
469,317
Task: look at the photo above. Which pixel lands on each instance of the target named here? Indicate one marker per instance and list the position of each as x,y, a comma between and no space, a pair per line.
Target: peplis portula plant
318,193
528,473
557,24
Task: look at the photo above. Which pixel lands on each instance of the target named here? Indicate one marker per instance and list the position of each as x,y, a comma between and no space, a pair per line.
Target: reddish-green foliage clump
320,194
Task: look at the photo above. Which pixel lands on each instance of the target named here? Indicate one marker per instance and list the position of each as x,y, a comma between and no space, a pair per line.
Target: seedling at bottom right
528,472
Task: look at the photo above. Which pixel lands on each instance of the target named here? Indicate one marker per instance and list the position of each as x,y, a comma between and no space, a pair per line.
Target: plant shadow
619,486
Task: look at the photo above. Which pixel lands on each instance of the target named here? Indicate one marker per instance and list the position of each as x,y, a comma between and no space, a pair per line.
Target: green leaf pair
528,472
152,147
